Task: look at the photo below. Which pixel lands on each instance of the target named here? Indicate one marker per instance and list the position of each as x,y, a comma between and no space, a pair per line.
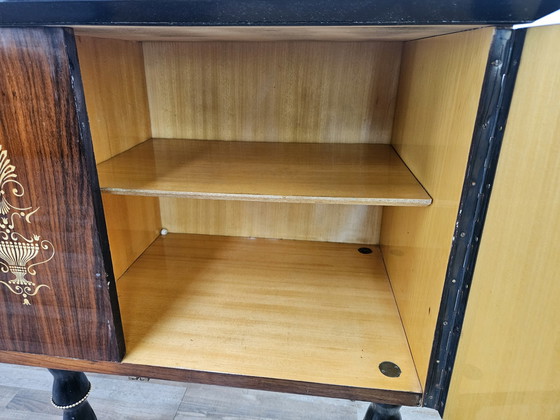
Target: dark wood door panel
57,295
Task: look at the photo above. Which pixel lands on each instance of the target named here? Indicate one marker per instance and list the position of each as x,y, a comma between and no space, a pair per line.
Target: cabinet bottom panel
321,314
313,318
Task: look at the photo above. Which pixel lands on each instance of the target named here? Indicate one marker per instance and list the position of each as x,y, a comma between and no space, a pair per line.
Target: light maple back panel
315,222
336,92
439,91
312,92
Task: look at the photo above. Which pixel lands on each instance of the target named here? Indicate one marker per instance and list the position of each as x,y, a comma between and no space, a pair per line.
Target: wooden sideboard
298,208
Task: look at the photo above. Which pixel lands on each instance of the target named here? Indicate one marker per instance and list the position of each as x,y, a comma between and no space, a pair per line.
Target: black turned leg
383,412
70,392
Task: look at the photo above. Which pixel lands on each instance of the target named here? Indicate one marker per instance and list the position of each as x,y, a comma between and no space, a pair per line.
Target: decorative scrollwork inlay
17,252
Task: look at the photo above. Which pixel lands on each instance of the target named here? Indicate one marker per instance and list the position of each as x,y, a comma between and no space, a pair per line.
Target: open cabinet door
508,361
57,295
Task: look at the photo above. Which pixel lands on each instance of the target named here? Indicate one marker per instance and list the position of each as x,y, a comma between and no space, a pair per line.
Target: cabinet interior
309,180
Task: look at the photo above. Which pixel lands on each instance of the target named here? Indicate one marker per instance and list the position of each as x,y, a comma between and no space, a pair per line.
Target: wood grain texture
40,101
133,223
257,171
290,310
241,404
269,33
116,96
273,91
212,378
508,360
439,90
155,399
112,397
312,222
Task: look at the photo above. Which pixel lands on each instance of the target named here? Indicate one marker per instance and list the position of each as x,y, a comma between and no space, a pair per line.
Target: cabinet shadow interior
274,207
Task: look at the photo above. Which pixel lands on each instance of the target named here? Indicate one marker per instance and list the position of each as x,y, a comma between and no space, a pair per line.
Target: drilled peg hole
365,250
390,369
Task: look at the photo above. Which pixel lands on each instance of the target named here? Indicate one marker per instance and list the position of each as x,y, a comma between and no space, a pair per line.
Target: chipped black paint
495,99
271,12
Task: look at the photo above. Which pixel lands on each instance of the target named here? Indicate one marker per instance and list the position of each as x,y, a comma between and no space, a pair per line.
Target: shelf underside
369,174
287,311
270,33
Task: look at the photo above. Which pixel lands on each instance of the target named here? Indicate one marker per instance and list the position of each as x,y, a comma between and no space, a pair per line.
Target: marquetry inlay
17,252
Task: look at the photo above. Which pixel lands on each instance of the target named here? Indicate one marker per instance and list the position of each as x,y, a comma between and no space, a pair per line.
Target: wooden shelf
369,174
318,316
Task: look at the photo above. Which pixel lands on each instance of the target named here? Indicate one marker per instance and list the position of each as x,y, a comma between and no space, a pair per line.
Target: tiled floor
25,394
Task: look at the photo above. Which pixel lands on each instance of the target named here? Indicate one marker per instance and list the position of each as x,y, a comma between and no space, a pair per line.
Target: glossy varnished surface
306,312
439,91
314,92
133,223
281,172
40,130
507,365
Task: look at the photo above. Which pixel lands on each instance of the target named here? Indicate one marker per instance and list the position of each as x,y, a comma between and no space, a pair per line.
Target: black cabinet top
271,12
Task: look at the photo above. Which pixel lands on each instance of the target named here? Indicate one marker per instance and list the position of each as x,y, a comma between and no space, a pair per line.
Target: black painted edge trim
270,12
495,100
107,275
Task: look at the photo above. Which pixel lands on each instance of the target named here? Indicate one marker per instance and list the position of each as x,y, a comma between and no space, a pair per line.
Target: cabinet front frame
493,109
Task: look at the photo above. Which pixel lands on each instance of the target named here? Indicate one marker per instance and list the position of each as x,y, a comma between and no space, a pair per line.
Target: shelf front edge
402,202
